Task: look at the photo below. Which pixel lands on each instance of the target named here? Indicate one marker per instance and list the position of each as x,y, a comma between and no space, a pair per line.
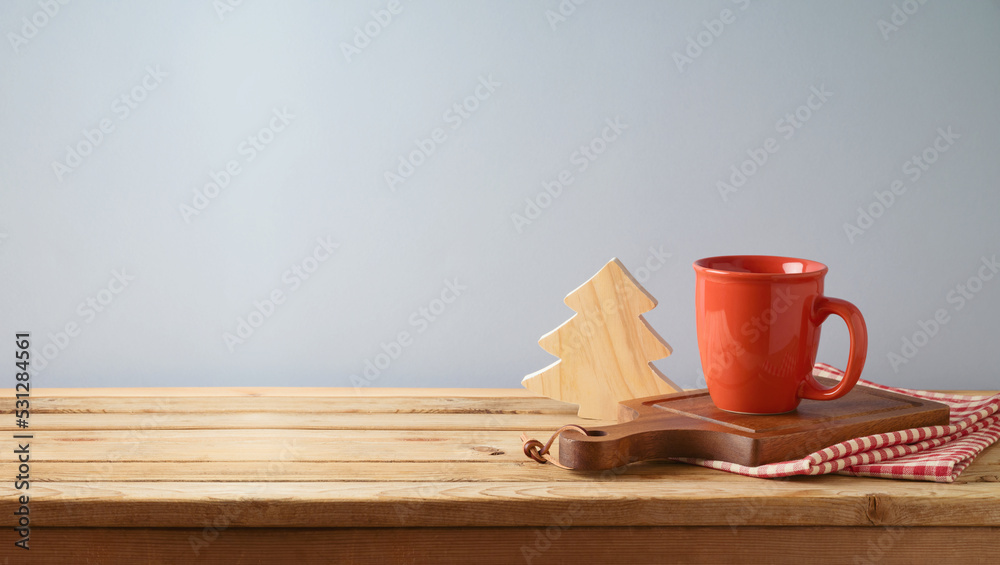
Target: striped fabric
934,453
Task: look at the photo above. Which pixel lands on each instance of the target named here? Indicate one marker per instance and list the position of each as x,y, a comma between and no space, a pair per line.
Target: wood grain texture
287,404
124,478
688,424
656,501
293,420
606,350
273,392
560,544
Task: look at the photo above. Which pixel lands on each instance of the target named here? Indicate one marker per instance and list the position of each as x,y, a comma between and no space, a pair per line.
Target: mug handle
822,308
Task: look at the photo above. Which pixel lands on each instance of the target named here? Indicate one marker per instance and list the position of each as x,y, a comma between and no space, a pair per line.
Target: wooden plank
265,445
276,391
295,420
485,468
522,470
311,471
219,448
419,471
225,451
813,501
368,405
502,546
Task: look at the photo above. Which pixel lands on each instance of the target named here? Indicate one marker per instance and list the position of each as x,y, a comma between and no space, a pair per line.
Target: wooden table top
403,458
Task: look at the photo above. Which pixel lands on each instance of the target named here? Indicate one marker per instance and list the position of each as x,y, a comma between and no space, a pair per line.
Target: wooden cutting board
687,424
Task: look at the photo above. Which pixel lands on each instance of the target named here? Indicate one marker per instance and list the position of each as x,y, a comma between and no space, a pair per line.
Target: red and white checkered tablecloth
934,453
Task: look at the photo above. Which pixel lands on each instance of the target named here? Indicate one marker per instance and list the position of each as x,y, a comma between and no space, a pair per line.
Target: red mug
759,321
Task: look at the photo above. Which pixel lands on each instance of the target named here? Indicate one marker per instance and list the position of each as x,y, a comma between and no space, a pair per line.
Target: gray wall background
894,73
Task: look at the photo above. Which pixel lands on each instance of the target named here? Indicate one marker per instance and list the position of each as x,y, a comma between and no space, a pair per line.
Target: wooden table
304,475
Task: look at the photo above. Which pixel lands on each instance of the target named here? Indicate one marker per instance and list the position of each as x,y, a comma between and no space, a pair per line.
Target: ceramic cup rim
711,266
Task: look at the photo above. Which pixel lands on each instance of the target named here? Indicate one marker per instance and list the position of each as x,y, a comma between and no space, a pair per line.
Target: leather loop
540,452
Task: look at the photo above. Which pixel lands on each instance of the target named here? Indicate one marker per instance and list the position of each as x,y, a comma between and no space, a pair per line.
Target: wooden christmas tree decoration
606,350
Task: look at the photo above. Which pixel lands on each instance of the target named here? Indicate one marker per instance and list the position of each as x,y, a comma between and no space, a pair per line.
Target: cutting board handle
615,445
